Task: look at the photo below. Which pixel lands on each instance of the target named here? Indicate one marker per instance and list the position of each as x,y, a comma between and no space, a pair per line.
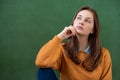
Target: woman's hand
67,32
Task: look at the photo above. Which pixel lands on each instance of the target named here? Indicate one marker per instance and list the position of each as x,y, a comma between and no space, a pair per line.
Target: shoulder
105,51
105,54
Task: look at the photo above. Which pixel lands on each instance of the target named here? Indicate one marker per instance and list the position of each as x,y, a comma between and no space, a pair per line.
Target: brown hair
72,47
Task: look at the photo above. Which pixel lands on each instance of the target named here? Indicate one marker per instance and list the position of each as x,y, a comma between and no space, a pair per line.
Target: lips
79,28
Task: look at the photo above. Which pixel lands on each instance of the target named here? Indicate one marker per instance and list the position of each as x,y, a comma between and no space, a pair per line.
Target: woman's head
86,23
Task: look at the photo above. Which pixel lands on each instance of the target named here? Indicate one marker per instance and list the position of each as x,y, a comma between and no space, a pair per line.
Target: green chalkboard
25,25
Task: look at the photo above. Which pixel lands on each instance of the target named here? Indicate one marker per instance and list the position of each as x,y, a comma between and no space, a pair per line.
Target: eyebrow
89,18
86,17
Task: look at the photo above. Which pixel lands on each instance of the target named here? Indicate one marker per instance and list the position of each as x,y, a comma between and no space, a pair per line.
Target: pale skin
82,26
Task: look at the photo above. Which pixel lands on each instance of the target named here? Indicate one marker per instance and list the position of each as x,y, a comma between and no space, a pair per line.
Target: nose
81,22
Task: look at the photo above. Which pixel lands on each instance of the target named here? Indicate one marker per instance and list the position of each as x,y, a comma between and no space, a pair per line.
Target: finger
69,32
73,30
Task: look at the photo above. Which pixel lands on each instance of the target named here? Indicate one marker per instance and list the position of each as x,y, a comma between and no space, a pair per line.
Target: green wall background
25,25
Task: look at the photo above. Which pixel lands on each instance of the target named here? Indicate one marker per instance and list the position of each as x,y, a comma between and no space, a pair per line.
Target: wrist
60,36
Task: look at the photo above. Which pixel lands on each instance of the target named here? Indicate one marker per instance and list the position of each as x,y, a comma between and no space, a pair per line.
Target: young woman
76,51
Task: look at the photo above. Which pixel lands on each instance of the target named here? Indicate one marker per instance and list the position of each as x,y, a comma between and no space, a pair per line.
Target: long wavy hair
72,44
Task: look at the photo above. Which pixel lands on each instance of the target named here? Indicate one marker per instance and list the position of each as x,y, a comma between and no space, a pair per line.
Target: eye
87,20
79,17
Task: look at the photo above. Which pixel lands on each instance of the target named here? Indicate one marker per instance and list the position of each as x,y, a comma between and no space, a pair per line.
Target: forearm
49,53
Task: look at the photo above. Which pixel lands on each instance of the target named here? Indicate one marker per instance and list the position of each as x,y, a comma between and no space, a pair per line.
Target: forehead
85,13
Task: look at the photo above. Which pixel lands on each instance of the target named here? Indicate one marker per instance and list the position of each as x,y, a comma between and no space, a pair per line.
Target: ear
91,32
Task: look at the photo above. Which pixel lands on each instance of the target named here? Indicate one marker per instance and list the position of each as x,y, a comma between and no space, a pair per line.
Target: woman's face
84,23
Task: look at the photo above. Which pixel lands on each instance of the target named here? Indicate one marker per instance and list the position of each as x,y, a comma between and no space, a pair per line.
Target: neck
83,42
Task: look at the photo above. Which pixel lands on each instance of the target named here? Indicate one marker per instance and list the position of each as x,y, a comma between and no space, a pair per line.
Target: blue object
46,74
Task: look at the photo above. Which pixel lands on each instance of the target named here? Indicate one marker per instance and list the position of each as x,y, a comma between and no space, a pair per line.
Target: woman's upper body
53,55
70,57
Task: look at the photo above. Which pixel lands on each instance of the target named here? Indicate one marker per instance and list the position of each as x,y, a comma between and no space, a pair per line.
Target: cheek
90,28
75,23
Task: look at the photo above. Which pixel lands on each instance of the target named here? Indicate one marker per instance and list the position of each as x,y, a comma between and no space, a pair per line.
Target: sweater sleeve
107,66
50,55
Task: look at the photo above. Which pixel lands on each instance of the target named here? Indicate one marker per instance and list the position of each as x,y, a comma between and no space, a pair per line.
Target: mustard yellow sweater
53,55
